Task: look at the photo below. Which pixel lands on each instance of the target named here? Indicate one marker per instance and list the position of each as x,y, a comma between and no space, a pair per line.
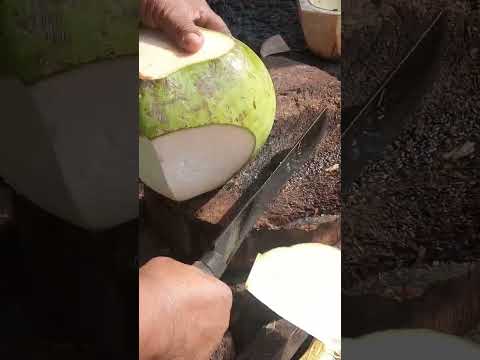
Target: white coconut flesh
70,155
153,45
189,162
302,284
329,5
411,344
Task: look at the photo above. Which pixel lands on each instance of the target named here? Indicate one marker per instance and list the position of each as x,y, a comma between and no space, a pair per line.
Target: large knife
369,130
215,261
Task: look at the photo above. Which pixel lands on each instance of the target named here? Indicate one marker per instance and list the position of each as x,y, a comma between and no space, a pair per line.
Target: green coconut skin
45,37
234,89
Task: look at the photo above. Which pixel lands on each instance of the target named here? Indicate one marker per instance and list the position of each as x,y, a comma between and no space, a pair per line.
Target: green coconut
202,116
44,37
69,84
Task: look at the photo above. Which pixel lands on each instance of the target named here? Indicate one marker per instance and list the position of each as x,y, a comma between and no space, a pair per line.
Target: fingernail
192,42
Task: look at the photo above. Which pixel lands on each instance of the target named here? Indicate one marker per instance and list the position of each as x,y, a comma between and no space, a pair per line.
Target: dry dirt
442,298
254,21
419,203
415,211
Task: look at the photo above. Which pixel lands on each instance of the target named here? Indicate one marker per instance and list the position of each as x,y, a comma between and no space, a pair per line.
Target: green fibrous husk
46,37
234,89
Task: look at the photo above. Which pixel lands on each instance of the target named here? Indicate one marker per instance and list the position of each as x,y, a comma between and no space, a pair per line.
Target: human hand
180,20
183,313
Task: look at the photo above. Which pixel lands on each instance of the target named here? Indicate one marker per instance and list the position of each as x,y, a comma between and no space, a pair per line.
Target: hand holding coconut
180,20
183,313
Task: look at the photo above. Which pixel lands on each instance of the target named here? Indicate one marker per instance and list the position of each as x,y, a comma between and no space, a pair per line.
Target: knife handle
200,265
212,263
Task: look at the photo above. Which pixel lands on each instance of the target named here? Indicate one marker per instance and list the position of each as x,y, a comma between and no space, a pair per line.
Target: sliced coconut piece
302,284
154,45
190,162
75,155
411,344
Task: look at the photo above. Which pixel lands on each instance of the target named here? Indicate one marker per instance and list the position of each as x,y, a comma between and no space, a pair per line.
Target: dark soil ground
254,21
415,213
419,204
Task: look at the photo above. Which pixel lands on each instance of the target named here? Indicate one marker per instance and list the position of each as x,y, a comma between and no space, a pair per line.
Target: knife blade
274,45
215,261
278,340
375,125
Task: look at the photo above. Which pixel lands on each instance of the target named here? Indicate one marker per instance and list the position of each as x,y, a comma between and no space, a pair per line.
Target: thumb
185,34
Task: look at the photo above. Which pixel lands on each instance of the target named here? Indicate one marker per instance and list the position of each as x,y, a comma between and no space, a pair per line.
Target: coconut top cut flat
329,5
154,45
225,82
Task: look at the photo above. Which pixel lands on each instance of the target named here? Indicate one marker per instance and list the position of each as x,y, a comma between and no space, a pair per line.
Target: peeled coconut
68,146
302,284
322,26
411,344
67,139
202,116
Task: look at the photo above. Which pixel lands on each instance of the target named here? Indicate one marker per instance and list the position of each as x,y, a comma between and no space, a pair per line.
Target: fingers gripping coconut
180,20
203,116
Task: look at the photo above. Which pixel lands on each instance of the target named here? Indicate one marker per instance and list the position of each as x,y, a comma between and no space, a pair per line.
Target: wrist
152,344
